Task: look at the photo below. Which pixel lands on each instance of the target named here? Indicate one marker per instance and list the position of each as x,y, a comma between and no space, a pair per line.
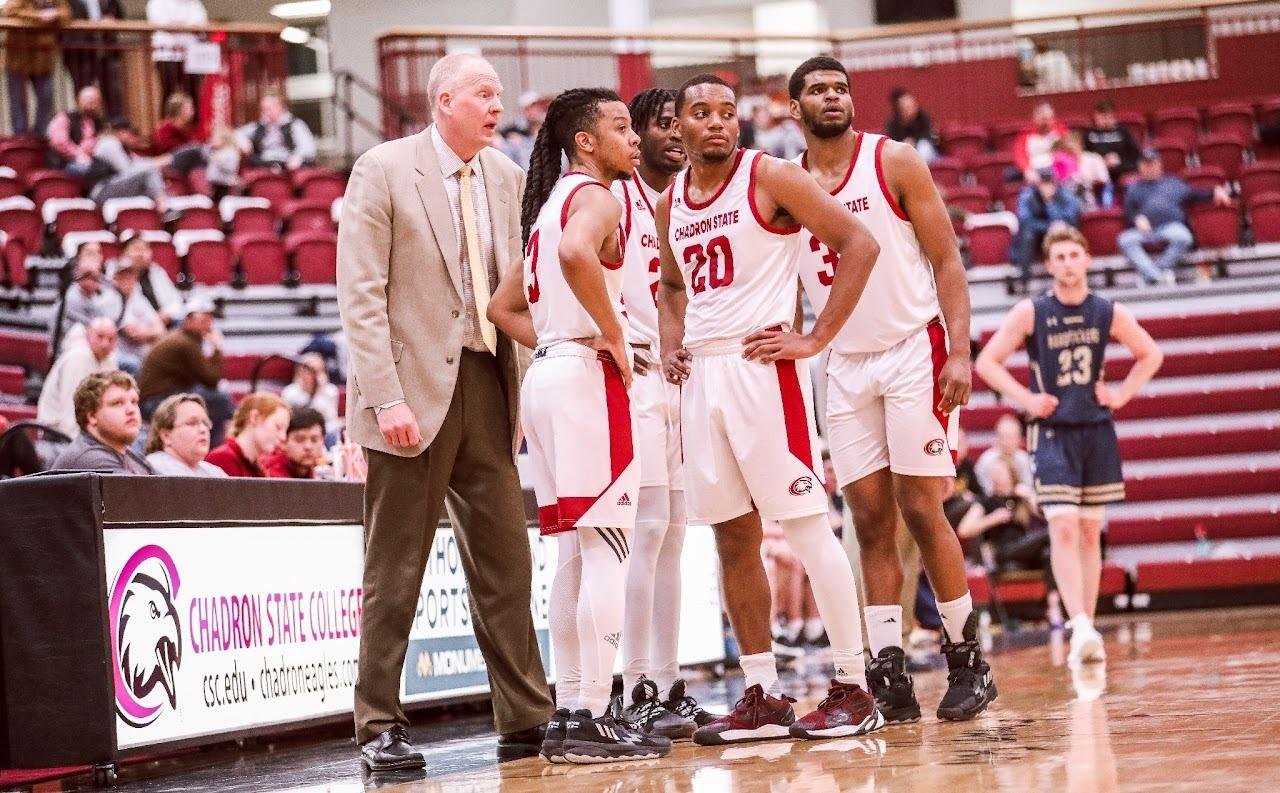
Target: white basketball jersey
640,275
557,314
900,297
739,272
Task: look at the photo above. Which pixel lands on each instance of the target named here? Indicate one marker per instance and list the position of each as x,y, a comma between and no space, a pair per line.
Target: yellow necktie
479,274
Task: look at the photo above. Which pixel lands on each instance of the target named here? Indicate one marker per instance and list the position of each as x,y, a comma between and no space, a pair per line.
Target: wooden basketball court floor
1187,701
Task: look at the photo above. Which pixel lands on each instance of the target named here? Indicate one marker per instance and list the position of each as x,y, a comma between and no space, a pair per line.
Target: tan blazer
400,285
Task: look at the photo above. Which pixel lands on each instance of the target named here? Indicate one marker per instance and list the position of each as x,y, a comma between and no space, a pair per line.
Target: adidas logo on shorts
625,501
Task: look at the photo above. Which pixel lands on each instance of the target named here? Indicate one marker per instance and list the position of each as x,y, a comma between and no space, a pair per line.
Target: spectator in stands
223,168
179,438
1033,148
1112,141
96,354
909,124
517,139
139,322
277,139
303,450
157,287
1008,523
178,127
29,58
85,299
1083,172
258,429
188,360
1008,447
90,58
966,476
124,174
1153,208
169,50
74,135
106,408
1041,205
311,388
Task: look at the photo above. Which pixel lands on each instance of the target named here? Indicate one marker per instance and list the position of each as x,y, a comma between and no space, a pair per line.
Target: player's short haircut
646,106
818,63
694,82
1064,233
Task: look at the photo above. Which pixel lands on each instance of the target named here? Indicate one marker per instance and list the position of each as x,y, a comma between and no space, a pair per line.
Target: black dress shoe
517,745
391,751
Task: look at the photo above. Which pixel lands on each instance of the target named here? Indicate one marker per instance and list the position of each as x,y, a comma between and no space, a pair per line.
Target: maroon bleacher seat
255,220
77,219
971,199
1102,227
1009,193
1215,226
240,366
308,215
198,218
1135,122
25,225
28,350
15,413
1177,123
1004,133
261,257
12,380
1223,150
1201,574
990,244
1258,178
53,184
947,171
1204,177
1232,118
13,263
210,262
274,187
138,219
1264,215
321,185
314,256
164,255
963,141
1076,122
11,186
1173,154
22,155
989,170
199,181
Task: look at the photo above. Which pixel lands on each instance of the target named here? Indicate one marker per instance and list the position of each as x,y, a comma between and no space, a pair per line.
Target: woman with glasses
179,438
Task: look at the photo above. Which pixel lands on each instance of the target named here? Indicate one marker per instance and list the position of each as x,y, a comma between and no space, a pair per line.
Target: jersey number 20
716,259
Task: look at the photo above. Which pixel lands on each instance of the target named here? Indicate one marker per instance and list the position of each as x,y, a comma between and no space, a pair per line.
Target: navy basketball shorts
1076,464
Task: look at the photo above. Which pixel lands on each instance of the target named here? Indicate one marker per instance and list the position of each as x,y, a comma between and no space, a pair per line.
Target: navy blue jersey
1066,347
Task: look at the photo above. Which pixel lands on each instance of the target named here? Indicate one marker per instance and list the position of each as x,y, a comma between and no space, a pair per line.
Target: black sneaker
680,703
605,740
970,687
892,687
647,713
553,744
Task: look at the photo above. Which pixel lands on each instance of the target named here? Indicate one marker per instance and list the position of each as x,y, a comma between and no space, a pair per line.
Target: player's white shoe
1086,645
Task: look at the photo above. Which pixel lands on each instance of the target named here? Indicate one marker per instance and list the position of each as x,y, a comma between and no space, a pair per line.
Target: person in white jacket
96,352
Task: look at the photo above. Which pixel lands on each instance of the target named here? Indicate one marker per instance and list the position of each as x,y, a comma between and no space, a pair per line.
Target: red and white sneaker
755,717
847,710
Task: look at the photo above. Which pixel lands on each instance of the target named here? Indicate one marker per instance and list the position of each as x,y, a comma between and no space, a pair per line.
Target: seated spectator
169,49
139,322
188,359
311,388
18,455
277,139
1008,447
257,430
178,128
1111,141
1006,526
1153,209
966,476
85,299
517,139
29,58
95,354
1084,172
123,173
223,167
109,421
179,438
1033,148
909,124
74,135
1040,206
155,283
303,448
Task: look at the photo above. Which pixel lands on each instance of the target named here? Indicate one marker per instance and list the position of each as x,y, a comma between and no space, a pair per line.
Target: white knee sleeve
831,578
601,602
563,618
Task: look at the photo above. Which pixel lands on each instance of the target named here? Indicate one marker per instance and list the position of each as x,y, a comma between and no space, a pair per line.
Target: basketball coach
429,224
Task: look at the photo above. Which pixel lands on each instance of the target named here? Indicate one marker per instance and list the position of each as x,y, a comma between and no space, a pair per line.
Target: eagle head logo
801,486
146,636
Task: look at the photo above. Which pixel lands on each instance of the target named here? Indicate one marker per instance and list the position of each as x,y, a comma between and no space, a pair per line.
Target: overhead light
295,35
301,9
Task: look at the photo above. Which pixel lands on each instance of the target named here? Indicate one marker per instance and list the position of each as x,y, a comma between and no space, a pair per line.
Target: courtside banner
225,629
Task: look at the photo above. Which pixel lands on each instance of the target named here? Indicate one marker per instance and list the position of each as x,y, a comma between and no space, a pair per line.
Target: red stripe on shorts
618,406
794,414
938,352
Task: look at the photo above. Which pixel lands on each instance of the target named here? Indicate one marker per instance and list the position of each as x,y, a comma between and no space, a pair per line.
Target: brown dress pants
467,468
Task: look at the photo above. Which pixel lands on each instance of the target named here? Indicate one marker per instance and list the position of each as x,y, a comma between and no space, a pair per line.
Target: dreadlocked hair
647,105
571,112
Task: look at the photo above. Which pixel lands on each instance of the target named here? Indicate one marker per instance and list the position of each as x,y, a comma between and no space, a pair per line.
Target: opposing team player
898,372
730,233
1072,437
566,302
659,701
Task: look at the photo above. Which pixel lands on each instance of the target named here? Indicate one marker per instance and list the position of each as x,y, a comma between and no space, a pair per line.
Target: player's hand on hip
618,351
399,426
1041,405
956,383
1107,396
642,363
675,366
768,346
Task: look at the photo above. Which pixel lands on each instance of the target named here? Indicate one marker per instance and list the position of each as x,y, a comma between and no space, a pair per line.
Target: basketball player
575,413
651,628
898,373
729,229
1072,438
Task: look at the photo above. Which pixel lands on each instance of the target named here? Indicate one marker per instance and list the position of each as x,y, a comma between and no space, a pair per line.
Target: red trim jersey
640,275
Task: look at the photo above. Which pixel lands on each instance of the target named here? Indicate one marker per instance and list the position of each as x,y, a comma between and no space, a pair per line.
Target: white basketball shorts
655,404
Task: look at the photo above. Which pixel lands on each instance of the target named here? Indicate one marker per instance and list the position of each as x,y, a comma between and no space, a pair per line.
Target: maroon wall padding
1218,323
12,380
1179,444
1145,406
1203,484
1182,527
16,413
1208,574
1115,580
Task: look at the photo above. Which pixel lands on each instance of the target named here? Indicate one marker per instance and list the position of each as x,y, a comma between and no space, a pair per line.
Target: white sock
812,628
850,667
761,668
884,627
831,578
664,657
652,520
562,614
1081,622
955,613
605,554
